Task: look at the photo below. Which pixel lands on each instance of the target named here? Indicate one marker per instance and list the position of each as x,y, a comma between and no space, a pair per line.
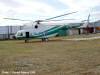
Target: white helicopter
40,30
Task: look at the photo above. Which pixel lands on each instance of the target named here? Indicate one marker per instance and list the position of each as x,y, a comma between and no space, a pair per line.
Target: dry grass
83,36
51,58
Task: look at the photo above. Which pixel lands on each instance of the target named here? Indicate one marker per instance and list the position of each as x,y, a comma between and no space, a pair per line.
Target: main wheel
44,39
26,41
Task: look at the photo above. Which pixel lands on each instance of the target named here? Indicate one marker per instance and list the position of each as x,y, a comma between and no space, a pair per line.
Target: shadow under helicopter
39,41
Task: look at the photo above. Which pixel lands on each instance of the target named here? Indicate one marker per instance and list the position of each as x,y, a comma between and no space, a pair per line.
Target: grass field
51,58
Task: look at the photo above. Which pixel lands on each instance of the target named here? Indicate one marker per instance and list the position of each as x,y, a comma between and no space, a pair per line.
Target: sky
43,9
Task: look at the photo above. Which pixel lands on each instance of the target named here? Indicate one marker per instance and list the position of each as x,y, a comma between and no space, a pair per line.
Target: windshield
19,34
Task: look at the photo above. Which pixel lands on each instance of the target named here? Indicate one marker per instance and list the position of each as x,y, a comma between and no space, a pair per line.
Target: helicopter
41,30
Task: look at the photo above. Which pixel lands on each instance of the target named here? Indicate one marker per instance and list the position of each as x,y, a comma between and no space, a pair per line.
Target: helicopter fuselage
42,31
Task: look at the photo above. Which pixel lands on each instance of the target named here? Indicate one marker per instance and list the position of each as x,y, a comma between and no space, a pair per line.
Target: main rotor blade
60,15
59,20
16,19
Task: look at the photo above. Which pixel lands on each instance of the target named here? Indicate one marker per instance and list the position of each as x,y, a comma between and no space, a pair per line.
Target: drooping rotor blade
60,15
16,19
84,20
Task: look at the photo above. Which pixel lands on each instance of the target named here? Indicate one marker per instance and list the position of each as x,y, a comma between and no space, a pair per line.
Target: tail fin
88,20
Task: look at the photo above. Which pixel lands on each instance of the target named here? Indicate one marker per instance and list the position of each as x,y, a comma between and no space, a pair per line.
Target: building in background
92,27
7,32
97,26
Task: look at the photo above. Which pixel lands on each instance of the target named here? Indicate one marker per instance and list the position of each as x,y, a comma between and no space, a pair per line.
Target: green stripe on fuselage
51,31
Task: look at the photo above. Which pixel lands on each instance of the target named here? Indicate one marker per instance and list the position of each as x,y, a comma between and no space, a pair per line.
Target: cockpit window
20,34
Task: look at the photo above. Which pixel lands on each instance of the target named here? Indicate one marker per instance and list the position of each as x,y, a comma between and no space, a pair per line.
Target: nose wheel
26,40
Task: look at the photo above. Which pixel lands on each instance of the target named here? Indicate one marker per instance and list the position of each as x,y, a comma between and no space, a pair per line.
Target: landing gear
44,39
26,41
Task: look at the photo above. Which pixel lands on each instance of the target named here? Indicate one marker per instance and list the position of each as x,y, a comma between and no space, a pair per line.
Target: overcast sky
42,9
